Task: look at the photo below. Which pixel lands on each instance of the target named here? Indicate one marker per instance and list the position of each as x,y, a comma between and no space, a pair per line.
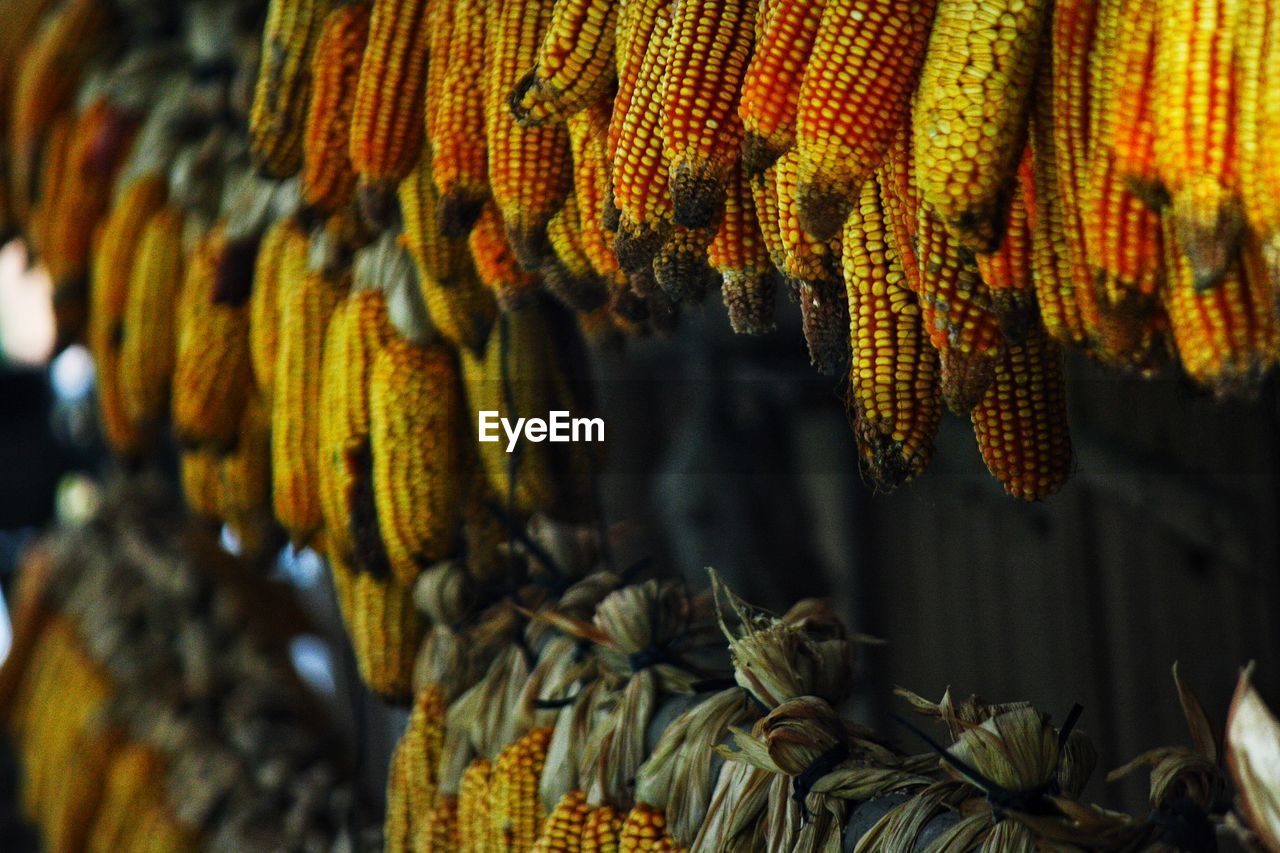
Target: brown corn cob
1007,272
574,65
1195,101
1258,134
571,277
149,341
517,812
328,181
277,122
855,95
562,830
785,32
307,301
893,384
681,268
645,831
645,213
439,827
201,481
711,44
971,110
264,301
1021,422
456,118
415,434
601,830
387,122
211,374
496,262
530,168
739,254
475,829
385,629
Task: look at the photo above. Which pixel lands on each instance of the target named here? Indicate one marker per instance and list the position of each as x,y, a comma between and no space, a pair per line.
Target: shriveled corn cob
645,831
278,120
475,829
264,301
307,301
1258,133
387,122
530,168
893,385
571,277
1007,272
574,64
328,180
681,267
562,830
855,95
1021,422
456,124
739,255
971,110
496,261
149,343
211,374
517,810
602,830
785,32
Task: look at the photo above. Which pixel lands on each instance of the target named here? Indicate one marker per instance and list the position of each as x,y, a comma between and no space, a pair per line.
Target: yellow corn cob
634,37
642,199
562,830
970,114
957,314
424,743
149,344
893,384
530,169
277,122
1021,422
455,118
135,767
1007,271
307,301
264,301
601,830
764,192
681,267
645,831
1258,133
901,199
211,374
442,18
50,172
397,829
120,433
438,831
517,811
201,483
245,483
415,435
785,32
1195,93
574,65
496,261
475,829
385,630
328,182
1226,336
855,96
387,121
570,277
739,254
444,259
589,143
701,133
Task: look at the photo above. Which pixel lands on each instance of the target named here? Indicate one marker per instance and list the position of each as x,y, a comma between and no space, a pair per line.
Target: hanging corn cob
328,181
456,116
283,239
278,122
739,254
1257,56
574,65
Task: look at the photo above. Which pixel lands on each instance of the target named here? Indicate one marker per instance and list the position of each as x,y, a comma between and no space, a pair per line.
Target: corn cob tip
965,378
758,153
749,298
610,215
457,212
697,197
378,203
531,246
883,462
683,272
637,245
1016,311
1210,228
578,292
824,312
822,210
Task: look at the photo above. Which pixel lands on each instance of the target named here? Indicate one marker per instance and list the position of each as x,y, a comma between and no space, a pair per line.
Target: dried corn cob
574,65
397,828
475,829
855,95
645,831
1258,77
739,254
424,744
764,192
211,374
149,343
1021,422
970,114
334,431
530,169
201,483
51,175
562,830
277,123
328,181
517,812
681,267
571,277
244,490
456,124
496,261
635,35
589,143
893,384
601,830
785,32
1195,91
264,301
387,121
385,630
439,827
22,21
307,301
1007,272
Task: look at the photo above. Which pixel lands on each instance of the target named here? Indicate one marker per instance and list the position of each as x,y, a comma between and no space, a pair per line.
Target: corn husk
1253,754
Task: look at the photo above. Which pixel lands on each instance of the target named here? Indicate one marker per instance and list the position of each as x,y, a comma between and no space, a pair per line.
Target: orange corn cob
1021,422
149,343
901,199
51,176
530,169
387,121
264,301
328,182
414,433
571,277
277,123
495,261
1195,101
201,483
893,383
635,35
1007,272
456,125
517,811
645,831
601,830
22,20
562,830
645,212
475,830
957,314
764,192
1258,75
701,133
855,96
785,32
442,18
970,114
589,143
574,65
739,254
211,376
